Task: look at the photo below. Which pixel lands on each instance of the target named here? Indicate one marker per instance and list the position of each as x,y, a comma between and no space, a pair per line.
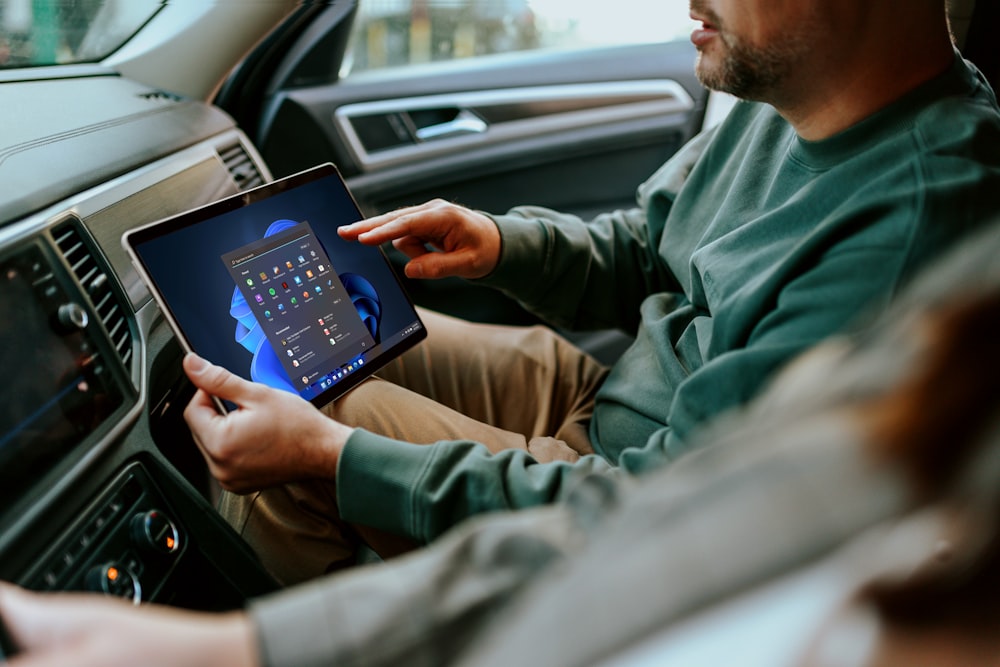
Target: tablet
261,284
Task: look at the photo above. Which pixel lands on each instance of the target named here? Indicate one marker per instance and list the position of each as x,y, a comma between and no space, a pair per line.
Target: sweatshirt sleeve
420,491
589,275
421,609
576,274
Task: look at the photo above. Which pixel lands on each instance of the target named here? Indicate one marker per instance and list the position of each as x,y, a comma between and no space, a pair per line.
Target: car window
394,33
57,32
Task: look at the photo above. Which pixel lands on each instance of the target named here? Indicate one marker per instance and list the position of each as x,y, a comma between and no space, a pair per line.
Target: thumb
216,380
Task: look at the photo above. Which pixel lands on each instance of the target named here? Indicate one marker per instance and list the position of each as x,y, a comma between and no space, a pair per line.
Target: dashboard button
154,531
72,317
114,579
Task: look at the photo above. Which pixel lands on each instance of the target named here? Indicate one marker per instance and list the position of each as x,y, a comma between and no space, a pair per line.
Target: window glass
56,32
390,33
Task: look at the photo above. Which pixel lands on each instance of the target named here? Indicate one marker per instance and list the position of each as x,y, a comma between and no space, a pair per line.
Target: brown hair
932,426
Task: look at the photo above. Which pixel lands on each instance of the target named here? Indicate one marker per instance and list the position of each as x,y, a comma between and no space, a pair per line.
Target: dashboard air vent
94,279
241,167
161,96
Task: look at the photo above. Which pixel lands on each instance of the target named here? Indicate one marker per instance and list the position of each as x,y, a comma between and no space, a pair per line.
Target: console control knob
114,579
154,531
72,317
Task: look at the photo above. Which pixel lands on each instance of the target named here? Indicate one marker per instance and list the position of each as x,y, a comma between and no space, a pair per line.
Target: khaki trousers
506,387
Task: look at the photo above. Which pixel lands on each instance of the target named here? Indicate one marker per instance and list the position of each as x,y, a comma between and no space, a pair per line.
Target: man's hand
87,630
275,437
464,243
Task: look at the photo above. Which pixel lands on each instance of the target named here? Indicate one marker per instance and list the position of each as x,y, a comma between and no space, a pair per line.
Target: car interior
101,486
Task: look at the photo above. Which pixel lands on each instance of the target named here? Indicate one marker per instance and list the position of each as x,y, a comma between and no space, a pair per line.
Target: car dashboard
101,485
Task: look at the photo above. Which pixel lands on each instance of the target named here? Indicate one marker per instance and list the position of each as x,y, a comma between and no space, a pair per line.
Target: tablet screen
262,284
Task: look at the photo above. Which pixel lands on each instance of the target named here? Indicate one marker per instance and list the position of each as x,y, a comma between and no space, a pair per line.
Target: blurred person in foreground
848,517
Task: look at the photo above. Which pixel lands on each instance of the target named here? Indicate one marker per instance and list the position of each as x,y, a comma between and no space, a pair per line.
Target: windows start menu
300,303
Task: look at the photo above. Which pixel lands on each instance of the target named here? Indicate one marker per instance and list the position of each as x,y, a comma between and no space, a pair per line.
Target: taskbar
352,366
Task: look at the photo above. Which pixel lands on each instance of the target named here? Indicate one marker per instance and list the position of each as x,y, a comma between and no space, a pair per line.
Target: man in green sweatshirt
863,145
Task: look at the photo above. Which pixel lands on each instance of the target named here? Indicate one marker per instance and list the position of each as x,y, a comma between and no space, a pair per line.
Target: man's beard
747,73
757,73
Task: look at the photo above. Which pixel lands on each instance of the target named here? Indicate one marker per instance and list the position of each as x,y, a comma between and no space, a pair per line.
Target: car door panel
577,131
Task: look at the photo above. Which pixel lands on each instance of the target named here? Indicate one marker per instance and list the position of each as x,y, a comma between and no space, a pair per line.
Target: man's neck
877,72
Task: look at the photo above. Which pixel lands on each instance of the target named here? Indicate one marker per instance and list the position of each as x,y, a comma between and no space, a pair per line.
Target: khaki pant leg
522,379
506,387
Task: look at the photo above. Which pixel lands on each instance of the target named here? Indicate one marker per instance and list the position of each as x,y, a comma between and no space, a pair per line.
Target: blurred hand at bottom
87,630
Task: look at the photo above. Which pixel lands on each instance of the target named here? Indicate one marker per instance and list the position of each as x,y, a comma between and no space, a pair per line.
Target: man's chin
724,75
709,73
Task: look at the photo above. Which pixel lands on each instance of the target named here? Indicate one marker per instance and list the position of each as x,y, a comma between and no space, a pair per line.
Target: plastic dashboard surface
100,489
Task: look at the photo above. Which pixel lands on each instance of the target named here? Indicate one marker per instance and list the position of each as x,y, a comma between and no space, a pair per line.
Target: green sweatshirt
749,246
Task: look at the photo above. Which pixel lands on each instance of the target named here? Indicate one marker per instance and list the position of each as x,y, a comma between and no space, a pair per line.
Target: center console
126,543
88,499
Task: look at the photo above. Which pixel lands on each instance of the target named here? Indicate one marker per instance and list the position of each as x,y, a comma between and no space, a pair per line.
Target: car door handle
464,123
